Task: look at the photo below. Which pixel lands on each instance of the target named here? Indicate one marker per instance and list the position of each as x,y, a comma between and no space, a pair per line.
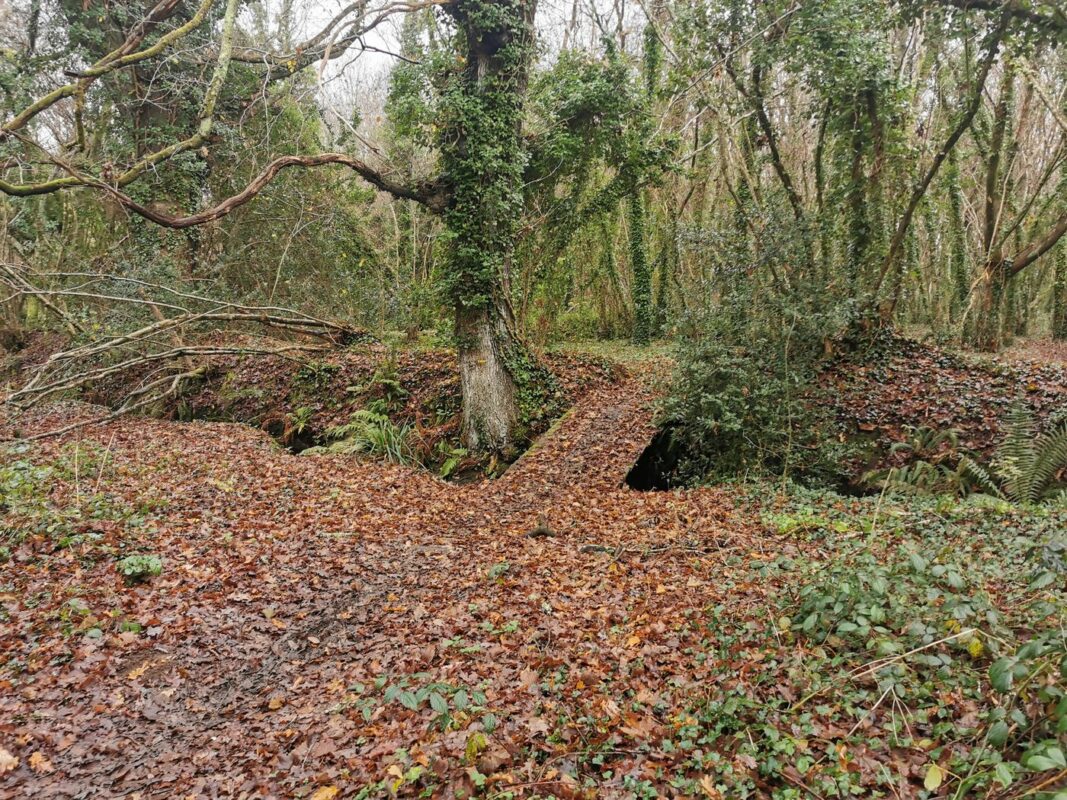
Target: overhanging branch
431,194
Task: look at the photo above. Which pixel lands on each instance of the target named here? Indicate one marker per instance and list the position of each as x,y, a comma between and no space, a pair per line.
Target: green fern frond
1051,458
1016,455
979,476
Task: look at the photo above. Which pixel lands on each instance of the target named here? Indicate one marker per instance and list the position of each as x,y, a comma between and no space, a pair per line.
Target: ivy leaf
1001,673
934,777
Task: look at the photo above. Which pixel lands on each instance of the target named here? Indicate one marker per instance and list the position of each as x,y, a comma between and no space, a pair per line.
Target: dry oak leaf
707,785
538,725
7,761
325,793
40,764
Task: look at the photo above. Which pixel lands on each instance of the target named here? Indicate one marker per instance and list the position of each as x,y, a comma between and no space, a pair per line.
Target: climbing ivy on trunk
641,288
483,157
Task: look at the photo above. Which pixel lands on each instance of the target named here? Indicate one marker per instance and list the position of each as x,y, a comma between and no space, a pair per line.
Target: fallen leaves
912,385
40,764
7,761
266,640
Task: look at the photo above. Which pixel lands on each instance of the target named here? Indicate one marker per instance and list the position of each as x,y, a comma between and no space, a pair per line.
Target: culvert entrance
656,468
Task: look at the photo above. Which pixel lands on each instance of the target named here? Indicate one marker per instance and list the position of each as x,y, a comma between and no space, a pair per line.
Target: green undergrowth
622,351
915,648
32,507
57,509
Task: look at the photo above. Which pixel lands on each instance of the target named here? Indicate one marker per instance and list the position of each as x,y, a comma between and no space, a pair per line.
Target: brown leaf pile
290,580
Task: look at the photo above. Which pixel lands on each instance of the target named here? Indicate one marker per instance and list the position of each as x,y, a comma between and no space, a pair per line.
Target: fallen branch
35,392
620,550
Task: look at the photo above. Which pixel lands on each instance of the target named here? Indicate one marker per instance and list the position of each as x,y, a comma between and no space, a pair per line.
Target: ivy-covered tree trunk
483,157
1059,295
641,288
961,280
993,281
989,310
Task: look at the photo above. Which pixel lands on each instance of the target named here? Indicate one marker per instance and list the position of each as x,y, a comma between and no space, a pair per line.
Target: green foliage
932,467
23,486
539,395
450,457
896,607
300,418
1023,470
409,103
911,602
481,152
581,107
315,376
372,433
1059,295
642,271
1025,463
740,405
28,507
385,392
138,568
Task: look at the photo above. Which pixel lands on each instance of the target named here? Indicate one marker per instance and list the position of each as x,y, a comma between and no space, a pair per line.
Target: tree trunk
989,316
482,154
957,241
490,400
641,287
1059,296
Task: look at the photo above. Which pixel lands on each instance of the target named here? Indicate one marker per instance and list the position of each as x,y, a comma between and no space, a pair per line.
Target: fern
1026,464
1024,468
1051,458
980,476
1016,456
372,433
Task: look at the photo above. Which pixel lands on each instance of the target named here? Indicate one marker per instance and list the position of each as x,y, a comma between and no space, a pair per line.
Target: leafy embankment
883,396
411,395
771,405
328,627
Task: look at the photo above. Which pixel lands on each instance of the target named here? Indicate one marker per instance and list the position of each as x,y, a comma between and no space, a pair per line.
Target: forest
510,399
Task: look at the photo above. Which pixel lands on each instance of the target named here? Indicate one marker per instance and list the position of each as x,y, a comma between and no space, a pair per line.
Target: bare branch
432,194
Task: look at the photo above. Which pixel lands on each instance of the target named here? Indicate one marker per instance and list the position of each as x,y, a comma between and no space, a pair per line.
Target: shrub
743,402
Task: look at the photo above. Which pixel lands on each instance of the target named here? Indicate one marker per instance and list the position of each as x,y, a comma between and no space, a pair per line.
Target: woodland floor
325,627
290,580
